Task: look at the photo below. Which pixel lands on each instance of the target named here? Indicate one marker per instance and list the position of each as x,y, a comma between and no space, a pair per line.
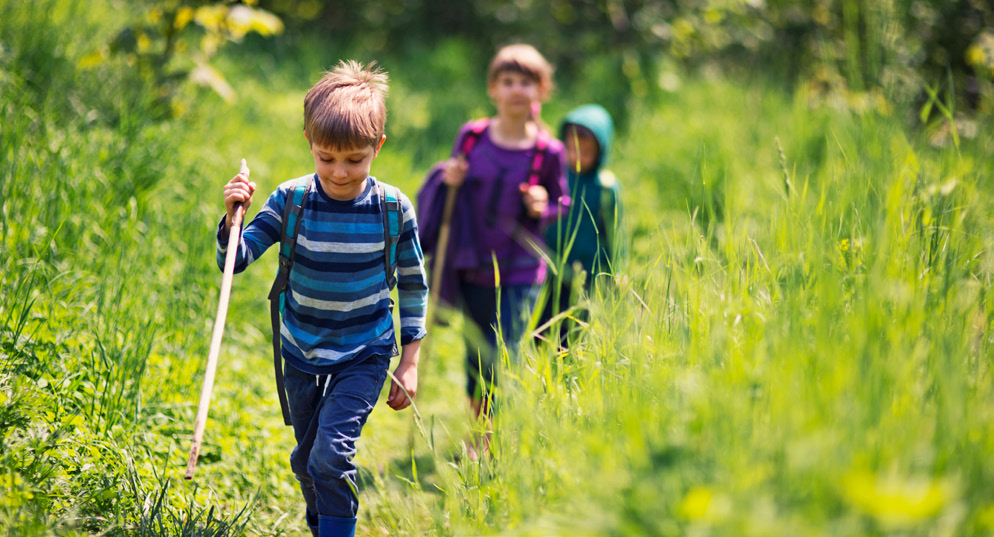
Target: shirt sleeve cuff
222,237
410,335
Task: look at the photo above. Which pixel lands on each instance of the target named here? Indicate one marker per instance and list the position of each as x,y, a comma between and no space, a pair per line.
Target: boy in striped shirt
337,329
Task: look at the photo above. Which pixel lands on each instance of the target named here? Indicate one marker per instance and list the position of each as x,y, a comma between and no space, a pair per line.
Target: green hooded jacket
595,213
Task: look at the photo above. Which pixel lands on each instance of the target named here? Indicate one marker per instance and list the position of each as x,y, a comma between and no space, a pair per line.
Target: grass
807,359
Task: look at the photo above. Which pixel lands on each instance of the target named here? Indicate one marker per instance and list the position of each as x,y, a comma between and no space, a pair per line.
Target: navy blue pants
328,413
479,304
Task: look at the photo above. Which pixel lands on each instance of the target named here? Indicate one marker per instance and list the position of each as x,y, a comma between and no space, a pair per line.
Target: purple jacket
489,217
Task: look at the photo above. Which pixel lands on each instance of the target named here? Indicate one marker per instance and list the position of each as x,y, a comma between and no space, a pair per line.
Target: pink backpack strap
473,135
541,145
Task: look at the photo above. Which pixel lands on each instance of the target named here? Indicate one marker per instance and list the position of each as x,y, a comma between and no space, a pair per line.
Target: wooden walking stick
474,134
440,250
222,312
436,282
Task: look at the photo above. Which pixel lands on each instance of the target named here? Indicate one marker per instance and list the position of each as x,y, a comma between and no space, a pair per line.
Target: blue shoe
333,526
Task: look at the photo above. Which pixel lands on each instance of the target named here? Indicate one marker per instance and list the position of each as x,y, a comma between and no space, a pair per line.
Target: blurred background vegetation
890,49
802,345
859,54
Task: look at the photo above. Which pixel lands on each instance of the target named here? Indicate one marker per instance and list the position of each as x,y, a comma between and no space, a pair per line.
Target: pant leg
480,305
341,417
304,397
516,303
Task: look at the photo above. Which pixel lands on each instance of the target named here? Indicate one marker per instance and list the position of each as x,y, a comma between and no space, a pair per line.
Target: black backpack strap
292,213
389,205
274,314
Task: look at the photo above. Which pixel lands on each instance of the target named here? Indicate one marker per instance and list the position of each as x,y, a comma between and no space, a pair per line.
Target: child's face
514,92
343,172
581,147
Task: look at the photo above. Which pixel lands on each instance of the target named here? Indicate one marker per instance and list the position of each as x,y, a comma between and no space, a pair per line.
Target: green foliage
82,156
857,52
760,375
170,44
800,341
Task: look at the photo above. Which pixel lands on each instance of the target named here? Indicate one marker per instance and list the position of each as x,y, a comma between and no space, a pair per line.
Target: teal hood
598,120
595,200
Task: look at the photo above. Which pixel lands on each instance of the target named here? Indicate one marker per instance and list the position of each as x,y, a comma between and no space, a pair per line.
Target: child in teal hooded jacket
595,215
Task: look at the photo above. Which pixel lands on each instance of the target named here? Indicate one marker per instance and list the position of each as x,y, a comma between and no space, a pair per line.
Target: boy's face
582,147
343,172
514,92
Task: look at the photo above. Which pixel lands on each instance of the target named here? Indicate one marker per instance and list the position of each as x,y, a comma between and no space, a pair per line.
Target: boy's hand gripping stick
222,312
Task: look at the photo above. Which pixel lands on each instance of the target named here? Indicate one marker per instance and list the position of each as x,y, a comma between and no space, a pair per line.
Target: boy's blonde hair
347,109
524,59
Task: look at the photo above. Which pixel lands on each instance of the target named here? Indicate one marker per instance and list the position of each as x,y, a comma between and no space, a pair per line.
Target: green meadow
799,341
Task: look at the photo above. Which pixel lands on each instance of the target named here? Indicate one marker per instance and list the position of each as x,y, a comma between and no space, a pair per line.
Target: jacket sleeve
431,203
412,283
431,198
460,138
257,236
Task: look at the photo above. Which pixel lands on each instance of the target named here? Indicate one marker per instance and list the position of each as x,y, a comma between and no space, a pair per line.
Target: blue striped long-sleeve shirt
337,306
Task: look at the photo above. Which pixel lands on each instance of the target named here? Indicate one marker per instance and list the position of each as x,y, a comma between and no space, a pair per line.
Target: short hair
347,109
524,59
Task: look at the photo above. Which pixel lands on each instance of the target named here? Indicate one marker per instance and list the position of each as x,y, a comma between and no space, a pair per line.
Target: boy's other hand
535,198
406,377
238,190
455,171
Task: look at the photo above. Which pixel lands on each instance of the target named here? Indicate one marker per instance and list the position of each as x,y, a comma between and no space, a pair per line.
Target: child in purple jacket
511,185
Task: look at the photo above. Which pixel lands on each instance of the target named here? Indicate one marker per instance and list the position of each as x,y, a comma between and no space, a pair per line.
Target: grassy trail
804,321
801,342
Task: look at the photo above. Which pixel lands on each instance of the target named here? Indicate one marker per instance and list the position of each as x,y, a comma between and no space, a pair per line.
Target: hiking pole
222,312
440,251
436,281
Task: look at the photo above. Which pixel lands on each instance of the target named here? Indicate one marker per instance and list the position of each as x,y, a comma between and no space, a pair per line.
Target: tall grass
799,342
808,360
92,284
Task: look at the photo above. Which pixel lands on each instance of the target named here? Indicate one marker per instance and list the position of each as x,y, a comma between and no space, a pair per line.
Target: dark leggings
479,304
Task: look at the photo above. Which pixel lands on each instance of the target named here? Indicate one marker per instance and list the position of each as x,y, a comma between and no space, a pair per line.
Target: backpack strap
520,234
288,236
473,135
538,158
292,213
393,225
